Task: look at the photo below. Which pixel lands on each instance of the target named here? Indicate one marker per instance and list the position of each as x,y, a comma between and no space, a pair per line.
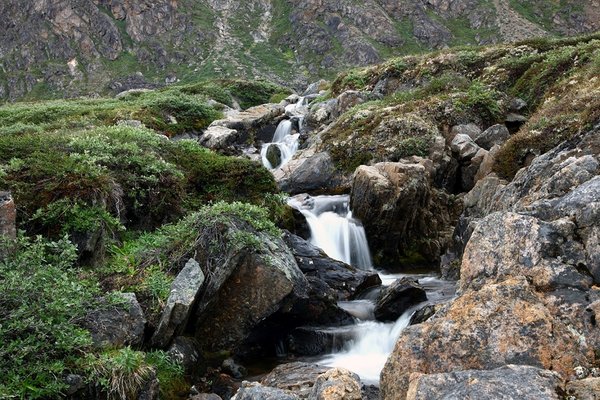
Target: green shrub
253,93
481,100
41,301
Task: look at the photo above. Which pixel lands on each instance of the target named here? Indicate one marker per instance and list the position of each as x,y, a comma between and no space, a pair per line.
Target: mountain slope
55,47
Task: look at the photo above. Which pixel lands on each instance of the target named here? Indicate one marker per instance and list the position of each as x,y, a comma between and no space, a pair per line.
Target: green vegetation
41,303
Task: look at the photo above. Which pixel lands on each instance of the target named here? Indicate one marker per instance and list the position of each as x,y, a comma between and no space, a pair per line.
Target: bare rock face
502,323
399,207
512,382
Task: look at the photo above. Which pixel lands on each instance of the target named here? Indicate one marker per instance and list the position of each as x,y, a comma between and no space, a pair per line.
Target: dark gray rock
116,326
512,382
184,350
464,147
422,314
311,174
494,135
230,367
397,298
344,279
274,155
185,290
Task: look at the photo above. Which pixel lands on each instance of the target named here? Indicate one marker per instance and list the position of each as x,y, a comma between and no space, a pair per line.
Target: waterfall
334,230
367,354
283,139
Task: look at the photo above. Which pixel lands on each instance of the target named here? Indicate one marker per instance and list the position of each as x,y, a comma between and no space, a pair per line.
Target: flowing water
334,230
341,237
284,139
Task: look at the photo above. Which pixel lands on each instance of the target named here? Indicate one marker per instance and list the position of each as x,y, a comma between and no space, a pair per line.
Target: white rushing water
285,141
334,230
366,355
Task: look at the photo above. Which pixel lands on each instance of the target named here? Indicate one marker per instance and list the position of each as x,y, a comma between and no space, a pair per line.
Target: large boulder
494,135
397,298
247,284
117,325
512,382
256,391
502,323
310,173
464,147
184,292
220,138
406,219
344,279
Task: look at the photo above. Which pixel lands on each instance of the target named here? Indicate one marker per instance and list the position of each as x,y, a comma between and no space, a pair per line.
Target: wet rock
274,155
344,279
296,377
464,147
256,391
423,314
511,382
310,174
337,384
494,135
185,290
116,326
502,323
397,298
585,389
306,341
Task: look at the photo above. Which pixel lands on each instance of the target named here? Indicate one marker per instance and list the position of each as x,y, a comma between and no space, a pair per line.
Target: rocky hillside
52,48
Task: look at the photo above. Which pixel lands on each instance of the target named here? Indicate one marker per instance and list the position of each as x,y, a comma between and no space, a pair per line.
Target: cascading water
334,230
343,238
284,140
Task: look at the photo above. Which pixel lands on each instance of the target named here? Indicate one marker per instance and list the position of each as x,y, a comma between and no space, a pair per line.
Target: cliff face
57,47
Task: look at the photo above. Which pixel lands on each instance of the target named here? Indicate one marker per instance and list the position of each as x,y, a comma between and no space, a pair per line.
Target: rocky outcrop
510,382
397,298
117,325
526,292
184,291
310,173
404,216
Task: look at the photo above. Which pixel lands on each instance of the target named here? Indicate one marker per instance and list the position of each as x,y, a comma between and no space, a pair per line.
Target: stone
309,341
464,147
184,350
256,391
312,174
510,244
116,326
397,298
502,323
132,92
132,123
585,389
296,377
349,99
494,135
255,124
470,130
511,382
517,104
230,367
314,88
345,280
206,396
274,155
8,222
337,384
219,137
185,290
407,220
487,164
